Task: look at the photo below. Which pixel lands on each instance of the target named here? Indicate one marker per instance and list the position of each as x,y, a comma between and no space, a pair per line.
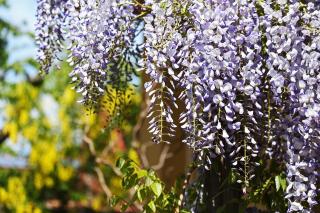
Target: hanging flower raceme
303,144
51,15
225,69
166,53
208,70
292,82
99,34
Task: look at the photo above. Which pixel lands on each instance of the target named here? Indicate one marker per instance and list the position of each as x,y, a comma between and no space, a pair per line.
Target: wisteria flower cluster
247,72
96,35
49,31
166,53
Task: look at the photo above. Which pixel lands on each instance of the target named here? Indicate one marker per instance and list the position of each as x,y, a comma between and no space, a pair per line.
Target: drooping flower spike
50,35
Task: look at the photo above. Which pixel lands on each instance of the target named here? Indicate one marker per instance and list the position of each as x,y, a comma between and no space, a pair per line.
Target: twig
115,170
93,152
143,155
163,157
99,160
88,141
102,182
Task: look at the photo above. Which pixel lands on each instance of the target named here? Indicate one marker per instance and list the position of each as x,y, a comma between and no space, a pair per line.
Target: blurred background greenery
54,155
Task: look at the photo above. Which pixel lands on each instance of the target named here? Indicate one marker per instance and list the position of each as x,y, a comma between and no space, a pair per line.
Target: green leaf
142,173
152,206
156,188
149,181
277,181
114,200
120,163
129,181
139,195
283,183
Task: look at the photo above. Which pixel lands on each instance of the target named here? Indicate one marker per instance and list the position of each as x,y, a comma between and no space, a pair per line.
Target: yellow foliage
28,208
114,135
49,182
44,155
3,195
16,195
50,144
38,181
33,93
62,115
37,210
119,99
10,111
96,203
89,119
24,117
48,162
20,89
126,128
30,132
133,155
64,122
64,173
116,183
22,92
12,129
68,97
46,122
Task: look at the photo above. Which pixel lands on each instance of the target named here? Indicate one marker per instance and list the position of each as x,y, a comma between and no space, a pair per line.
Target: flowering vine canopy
248,72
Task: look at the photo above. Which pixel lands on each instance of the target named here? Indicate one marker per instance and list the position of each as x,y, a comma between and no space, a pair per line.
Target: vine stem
246,182
269,117
161,114
184,188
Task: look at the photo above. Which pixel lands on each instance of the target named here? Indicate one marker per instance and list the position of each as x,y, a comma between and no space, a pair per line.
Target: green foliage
269,187
149,191
281,183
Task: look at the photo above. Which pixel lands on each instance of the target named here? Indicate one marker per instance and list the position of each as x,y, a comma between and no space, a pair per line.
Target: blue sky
22,14
22,10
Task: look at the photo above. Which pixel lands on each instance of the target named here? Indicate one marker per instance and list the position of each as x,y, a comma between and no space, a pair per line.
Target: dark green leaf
120,163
